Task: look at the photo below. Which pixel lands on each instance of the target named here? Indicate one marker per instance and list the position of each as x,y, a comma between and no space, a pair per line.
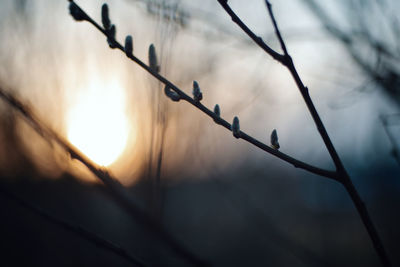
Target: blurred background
228,202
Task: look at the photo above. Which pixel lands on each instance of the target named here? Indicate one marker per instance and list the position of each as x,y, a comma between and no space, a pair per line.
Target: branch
341,173
277,32
119,192
180,95
76,229
257,39
287,61
395,148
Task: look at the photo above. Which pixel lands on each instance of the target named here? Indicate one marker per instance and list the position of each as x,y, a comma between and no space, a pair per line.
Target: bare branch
258,40
277,32
76,229
119,192
341,173
217,118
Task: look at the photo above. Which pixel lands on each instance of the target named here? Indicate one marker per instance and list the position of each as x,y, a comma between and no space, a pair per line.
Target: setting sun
97,123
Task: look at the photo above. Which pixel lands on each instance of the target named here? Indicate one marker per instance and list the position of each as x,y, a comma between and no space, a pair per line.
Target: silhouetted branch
277,32
287,61
216,117
341,173
75,229
119,192
395,146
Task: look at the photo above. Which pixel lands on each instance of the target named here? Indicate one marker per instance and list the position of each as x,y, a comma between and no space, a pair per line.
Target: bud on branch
174,96
105,18
217,112
111,37
197,94
236,127
274,140
76,12
153,63
128,46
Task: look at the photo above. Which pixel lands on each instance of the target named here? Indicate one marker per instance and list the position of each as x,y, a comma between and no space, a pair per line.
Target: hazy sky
51,60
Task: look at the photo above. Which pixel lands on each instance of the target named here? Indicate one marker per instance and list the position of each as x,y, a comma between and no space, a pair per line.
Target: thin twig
277,32
218,119
119,192
395,147
340,173
257,39
76,229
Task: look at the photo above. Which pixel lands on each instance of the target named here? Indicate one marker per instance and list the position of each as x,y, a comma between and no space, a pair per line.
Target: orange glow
97,123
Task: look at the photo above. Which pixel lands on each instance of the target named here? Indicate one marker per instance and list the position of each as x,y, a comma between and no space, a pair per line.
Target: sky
118,115
56,65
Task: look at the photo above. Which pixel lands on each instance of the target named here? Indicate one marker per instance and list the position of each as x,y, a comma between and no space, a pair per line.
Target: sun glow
97,123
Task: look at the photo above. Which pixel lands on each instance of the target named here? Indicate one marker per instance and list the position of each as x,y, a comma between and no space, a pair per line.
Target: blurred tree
370,32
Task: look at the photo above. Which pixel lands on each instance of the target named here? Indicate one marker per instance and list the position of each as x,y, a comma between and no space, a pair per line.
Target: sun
97,123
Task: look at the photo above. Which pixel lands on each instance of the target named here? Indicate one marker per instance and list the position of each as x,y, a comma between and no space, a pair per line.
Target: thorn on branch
274,140
235,127
153,63
174,96
128,46
76,12
105,18
197,94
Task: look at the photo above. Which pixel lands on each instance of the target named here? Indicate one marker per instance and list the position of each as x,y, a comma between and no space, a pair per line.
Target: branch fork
339,174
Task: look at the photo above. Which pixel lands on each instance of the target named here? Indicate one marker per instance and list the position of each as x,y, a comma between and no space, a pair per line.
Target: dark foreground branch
75,229
341,173
287,61
119,192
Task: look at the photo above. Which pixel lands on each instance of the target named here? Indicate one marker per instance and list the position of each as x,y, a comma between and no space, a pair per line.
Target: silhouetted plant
174,93
117,190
